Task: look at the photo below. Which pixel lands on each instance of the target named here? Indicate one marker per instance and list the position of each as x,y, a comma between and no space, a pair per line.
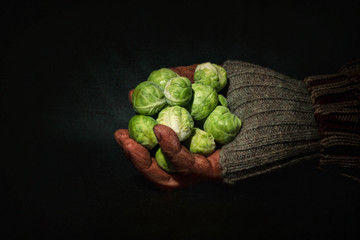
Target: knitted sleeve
336,99
278,123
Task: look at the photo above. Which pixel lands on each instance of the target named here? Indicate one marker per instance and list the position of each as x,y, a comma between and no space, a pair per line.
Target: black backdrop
67,68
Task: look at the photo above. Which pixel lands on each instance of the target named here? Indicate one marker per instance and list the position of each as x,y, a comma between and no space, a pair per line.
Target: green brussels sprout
177,118
161,76
203,102
222,75
148,98
163,163
200,142
223,125
222,100
141,130
211,74
178,91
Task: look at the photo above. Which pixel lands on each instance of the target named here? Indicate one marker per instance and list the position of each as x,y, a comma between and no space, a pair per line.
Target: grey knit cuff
278,124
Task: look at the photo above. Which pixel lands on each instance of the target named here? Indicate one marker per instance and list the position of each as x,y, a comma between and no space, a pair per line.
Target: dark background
67,68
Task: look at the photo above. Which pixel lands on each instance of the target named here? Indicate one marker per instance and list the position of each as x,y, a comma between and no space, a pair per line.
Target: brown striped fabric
278,124
336,100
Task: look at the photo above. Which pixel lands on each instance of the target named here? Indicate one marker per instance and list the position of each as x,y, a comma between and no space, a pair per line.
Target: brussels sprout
222,75
200,142
223,125
161,76
203,102
141,130
222,100
148,98
163,163
178,91
177,118
211,74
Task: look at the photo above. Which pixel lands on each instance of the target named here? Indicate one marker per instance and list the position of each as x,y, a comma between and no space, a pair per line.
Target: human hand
190,168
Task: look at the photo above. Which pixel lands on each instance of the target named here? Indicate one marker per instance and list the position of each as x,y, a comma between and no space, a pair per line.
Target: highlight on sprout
223,125
148,98
211,74
204,100
178,91
163,163
177,118
161,76
141,130
200,142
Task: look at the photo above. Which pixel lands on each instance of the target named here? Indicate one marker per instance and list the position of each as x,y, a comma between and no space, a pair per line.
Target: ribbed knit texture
278,124
336,99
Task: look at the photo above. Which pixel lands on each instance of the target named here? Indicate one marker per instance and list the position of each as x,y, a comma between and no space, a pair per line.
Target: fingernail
157,133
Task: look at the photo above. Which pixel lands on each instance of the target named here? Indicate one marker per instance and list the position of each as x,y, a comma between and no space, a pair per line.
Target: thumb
168,140
174,152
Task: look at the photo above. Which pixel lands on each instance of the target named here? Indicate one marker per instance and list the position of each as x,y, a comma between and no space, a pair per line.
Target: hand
191,168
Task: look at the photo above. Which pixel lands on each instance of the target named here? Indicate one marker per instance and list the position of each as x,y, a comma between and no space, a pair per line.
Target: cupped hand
190,168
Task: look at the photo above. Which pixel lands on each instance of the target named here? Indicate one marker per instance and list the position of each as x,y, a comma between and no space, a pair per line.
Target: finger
137,154
171,147
121,135
168,140
130,95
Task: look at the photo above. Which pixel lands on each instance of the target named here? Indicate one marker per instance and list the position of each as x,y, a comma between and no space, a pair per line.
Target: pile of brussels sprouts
196,112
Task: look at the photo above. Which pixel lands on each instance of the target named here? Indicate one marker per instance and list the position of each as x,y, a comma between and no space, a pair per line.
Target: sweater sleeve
278,123
336,100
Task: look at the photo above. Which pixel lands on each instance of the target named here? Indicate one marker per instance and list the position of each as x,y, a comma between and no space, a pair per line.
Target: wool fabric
278,123
336,100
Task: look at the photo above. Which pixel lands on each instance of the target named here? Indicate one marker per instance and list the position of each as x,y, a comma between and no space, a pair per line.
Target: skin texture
191,168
